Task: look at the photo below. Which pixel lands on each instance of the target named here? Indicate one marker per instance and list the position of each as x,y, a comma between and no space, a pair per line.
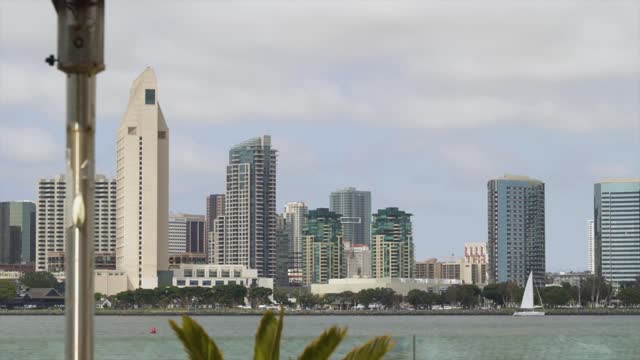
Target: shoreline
211,312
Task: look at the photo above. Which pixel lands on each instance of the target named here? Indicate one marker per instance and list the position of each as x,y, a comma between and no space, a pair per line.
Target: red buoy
154,330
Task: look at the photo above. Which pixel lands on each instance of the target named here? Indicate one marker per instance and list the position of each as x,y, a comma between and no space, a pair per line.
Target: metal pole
81,57
81,91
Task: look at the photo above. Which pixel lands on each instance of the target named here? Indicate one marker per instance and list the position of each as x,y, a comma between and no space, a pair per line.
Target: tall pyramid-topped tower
142,200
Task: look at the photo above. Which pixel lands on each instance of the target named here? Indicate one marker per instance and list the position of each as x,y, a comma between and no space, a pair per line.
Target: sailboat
527,300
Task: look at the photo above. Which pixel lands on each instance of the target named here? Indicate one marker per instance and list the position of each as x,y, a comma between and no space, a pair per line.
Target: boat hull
528,313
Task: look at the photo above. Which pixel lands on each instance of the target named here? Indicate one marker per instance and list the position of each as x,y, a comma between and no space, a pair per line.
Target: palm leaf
195,340
374,349
278,336
266,347
323,346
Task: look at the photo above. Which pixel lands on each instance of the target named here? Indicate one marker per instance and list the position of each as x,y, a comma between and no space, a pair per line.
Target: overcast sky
419,103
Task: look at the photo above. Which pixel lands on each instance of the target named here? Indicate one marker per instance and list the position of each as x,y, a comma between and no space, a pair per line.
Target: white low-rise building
399,285
208,275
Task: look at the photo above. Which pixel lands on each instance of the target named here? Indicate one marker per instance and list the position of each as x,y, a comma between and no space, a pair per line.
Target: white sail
527,298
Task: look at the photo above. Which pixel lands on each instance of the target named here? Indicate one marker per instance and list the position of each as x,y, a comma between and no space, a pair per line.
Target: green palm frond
195,340
325,345
374,349
267,346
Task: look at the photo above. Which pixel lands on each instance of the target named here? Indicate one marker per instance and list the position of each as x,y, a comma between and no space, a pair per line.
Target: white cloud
189,158
28,145
474,164
435,65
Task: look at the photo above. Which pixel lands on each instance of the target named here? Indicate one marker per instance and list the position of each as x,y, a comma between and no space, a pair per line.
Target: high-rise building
323,248
216,241
282,252
186,234
295,213
177,239
475,263
591,237
215,208
516,229
357,259
392,249
17,232
250,207
355,208
142,203
617,229
51,216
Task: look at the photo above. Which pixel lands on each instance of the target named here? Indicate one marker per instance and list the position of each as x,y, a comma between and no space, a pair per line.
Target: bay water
435,337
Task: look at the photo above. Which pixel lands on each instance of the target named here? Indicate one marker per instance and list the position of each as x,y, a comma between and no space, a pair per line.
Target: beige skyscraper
142,205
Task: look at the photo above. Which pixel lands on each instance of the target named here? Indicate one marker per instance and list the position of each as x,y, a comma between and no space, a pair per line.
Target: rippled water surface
436,337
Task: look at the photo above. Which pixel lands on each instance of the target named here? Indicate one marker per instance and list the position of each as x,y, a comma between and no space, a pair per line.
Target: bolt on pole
81,58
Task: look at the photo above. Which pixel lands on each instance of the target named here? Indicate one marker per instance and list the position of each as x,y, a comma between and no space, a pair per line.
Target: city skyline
571,101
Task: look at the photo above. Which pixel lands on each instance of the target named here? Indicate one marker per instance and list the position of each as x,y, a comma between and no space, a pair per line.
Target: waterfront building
142,203
392,249
323,249
591,238
400,286
214,209
282,252
17,232
357,259
428,269
186,258
296,214
571,277
51,217
617,229
210,275
250,207
355,208
516,229
475,263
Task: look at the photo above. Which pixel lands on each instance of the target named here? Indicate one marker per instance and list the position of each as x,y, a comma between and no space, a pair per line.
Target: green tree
595,289
555,296
308,300
39,279
629,296
7,290
199,345
98,296
125,299
495,293
281,296
418,298
366,297
259,296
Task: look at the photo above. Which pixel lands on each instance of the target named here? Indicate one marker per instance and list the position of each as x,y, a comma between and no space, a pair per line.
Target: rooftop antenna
81,58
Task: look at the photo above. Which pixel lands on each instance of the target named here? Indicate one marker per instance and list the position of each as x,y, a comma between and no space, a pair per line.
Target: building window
193,282
206,282
231,282
181,282
200,273
213,273
131,130
150,96
162,135
188,273
219,282
237,273
225,273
